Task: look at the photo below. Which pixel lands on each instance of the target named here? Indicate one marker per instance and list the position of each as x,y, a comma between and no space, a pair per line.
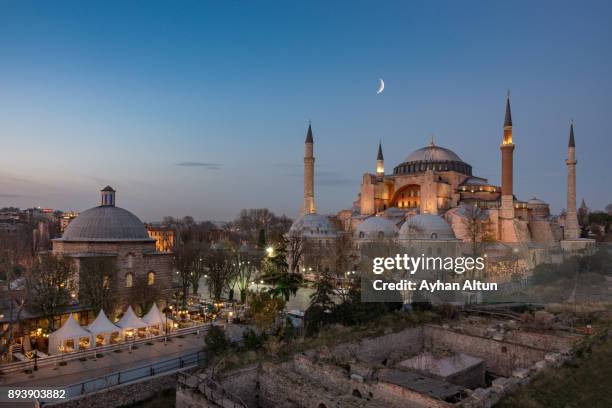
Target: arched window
361,234
434,235
381,235
105,282
356,393
129,280
151,278
130,260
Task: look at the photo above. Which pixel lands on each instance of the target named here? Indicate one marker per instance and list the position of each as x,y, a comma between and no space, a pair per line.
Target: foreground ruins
472,362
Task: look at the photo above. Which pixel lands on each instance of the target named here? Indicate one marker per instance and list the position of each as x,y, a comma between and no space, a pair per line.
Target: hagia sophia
434,196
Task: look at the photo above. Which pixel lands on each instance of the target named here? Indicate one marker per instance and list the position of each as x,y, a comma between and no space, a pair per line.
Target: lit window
105,282
129,280
151,278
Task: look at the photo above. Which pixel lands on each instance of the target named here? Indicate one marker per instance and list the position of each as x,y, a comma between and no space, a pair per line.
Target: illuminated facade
163,236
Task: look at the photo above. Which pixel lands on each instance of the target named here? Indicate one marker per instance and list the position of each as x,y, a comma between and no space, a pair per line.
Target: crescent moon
381,87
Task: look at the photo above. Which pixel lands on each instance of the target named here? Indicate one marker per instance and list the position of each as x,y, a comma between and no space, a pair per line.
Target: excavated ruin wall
500,357
376,350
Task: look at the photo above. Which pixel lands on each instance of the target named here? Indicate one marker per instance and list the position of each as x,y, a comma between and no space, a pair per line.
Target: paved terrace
76,371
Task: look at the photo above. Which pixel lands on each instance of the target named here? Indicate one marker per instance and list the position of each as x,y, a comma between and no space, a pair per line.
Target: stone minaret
380,162
309,202
108,196
506,213
571,230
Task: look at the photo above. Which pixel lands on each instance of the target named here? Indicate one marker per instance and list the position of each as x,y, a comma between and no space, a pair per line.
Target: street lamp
270,251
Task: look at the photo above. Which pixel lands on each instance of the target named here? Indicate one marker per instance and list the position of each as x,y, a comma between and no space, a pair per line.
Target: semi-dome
474,181
313,226
376,228
106,223
426,227
433,157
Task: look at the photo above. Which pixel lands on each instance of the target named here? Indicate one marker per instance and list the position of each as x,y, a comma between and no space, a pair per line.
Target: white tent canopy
70,332
155,318
130,322
101,326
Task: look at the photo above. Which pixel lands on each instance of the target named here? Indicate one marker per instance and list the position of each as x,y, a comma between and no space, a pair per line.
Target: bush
251,340
215,341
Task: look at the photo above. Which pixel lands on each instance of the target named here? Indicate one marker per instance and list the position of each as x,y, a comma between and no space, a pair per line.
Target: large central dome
432,157
106,223
432,153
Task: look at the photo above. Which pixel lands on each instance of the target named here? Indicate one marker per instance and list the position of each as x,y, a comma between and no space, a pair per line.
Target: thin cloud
204,165
328,179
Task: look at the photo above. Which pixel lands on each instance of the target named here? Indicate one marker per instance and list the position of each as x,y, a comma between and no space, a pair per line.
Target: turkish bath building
433,194
111,231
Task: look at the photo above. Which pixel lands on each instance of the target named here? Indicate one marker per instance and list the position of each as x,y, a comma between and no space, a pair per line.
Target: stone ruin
472,363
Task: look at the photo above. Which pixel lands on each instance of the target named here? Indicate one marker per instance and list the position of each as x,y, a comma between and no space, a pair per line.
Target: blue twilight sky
201,108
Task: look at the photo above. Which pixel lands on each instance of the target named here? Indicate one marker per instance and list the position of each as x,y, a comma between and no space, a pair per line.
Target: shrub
215,340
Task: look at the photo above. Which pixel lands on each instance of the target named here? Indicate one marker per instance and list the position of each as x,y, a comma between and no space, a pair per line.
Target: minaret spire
508,118
309,134
309,202
506,214
571,230
380,161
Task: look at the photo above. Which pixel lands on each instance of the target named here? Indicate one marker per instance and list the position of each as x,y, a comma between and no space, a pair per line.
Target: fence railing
93,351
184,362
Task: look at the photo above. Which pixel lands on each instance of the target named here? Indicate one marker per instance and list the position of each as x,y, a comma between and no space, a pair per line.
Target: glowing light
270,251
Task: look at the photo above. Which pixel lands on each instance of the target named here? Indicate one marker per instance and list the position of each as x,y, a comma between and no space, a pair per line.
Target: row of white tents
72,336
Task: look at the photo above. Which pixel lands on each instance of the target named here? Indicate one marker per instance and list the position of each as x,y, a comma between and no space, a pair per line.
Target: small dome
536,201
314,226
106,223
376,227
426,226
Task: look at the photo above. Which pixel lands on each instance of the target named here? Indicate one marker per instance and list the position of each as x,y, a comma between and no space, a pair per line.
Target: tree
265,309
143,295
247,260
295,248
252,221
98,283
13,250
199,267
276,273
49,285
190,267
324,292
478,227
221,270
343,254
